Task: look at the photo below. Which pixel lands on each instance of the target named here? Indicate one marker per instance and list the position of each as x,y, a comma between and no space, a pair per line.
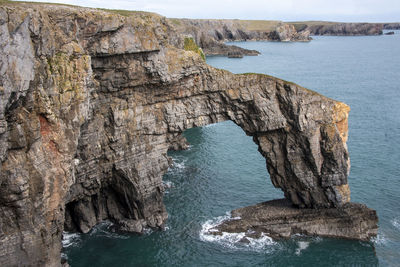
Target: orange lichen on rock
340,117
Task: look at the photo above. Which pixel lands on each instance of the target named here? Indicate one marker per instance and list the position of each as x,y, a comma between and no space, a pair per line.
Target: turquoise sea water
223,169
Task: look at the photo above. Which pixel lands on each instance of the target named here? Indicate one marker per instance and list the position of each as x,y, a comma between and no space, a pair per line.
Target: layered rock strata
279,219
90,103
339,28
391,26
210,35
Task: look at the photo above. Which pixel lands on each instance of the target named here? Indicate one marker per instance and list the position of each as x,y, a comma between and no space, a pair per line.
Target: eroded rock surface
339,28
90,103
279,219
210,35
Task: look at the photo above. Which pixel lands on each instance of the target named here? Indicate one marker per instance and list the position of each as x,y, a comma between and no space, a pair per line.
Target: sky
286,10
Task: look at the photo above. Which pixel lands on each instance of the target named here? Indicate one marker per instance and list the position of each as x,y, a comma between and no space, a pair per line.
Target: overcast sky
287,10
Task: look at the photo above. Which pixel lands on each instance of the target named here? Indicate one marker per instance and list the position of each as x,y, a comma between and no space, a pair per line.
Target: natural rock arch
305,150
90,104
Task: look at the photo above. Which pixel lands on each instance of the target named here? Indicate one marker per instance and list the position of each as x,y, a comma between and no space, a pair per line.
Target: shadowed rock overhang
91,101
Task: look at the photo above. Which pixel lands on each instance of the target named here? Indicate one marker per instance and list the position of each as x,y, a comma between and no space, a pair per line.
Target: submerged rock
279,219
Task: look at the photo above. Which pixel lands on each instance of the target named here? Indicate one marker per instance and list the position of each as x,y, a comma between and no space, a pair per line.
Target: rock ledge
279,219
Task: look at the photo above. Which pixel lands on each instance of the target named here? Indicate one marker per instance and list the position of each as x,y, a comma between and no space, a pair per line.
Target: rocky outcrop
391,26
339,28
279,219
90,103
221,49
210,35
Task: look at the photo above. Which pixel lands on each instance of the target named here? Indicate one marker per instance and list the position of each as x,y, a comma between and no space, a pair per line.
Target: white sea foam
210,125
178,164
105,229
380,239
168,184
302,245
396,223
147,231
70,239
233,240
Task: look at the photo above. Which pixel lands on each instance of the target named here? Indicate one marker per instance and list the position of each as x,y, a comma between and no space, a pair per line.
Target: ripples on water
222,170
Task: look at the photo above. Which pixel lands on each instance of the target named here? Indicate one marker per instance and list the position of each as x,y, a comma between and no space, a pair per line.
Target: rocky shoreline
211,35
339,28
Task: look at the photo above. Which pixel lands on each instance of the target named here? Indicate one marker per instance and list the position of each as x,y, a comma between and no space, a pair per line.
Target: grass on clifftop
125,13
302,25
190,45
259,25
35,3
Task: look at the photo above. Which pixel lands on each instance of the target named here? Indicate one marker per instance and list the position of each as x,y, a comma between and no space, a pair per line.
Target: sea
222,170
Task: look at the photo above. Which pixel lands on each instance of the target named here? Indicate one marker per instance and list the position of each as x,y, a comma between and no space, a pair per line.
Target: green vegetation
34,3
299,26
313,22
190,45
259,25
302,25
128,13
177,22
125,13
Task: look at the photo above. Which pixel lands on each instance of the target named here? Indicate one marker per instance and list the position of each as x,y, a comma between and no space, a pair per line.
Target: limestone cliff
90,102
211,34
391,26
339,28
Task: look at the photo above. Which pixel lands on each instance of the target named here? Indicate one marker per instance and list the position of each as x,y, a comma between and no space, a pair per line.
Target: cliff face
338,28
391,26
90,102
210,34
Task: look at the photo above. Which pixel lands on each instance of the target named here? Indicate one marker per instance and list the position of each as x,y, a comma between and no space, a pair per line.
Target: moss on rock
190,45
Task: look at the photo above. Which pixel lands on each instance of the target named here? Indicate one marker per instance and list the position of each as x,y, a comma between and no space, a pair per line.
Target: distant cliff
391,26
210,35
338,28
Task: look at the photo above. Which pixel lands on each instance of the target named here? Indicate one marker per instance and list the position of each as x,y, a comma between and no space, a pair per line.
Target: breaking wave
380,239
70,239
167,185
396,223
235,240
210,125
177,164
302,245
103,229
